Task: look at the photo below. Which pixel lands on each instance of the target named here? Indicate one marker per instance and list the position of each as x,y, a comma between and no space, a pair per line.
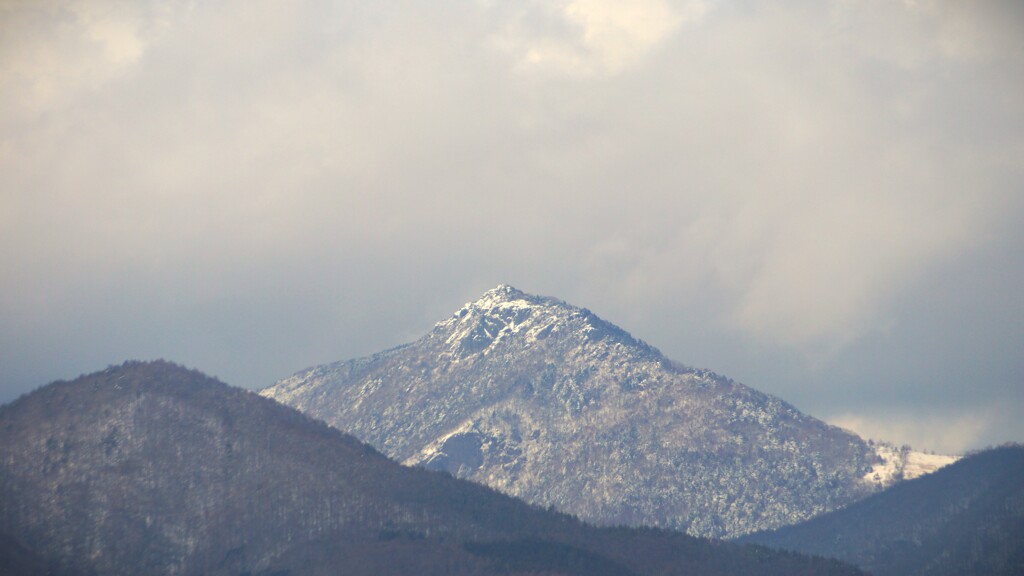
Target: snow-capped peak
505,311
500,312
498,301
504,291
501,296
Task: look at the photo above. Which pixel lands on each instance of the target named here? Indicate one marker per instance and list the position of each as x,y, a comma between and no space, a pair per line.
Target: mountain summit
547,402
505,312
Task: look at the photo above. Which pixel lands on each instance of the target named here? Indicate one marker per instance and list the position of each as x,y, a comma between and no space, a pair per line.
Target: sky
820,199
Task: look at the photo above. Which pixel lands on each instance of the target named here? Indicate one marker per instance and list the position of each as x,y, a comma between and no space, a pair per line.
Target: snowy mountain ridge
478,327
548,402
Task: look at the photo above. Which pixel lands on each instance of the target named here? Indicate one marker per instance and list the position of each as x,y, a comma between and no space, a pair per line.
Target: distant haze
819,199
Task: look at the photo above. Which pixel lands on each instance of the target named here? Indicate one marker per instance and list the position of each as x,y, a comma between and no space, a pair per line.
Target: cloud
945,434
54,54
593,37
810,252
313,181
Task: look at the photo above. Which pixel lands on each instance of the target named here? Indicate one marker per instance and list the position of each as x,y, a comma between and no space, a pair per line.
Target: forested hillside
966,519
149,468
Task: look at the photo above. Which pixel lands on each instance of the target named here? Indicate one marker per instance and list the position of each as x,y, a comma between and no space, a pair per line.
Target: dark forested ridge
150,468
966,519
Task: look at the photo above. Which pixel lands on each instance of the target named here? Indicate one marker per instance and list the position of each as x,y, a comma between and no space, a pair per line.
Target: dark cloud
820,200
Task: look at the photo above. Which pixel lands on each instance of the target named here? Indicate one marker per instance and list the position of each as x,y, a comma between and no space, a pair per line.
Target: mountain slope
549,403
17,560
149,468
965,519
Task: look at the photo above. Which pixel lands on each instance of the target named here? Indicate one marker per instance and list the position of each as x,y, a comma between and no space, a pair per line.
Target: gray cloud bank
820,199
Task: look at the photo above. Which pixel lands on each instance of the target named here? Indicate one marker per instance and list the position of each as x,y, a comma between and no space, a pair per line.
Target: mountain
17,560
150,468
549,403
966,519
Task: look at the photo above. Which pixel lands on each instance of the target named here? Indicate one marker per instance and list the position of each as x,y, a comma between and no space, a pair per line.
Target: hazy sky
821,199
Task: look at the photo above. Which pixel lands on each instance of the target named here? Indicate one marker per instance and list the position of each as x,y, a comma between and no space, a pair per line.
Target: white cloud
54,53
775,173
949,433
816,176
594,37
118,33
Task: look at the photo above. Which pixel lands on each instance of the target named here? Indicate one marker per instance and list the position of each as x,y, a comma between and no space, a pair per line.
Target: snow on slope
903,464
549,403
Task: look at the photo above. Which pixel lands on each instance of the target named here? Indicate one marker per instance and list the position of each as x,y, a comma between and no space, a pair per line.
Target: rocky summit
548,402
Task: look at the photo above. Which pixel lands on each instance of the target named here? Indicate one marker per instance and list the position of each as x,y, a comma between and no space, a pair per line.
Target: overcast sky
821,199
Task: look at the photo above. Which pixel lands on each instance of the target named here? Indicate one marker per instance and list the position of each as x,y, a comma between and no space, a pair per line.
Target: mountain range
547,402
966,519
151,468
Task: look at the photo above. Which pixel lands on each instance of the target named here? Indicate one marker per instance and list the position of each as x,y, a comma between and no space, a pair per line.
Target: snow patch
903,464
919,464
434,448
478,326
